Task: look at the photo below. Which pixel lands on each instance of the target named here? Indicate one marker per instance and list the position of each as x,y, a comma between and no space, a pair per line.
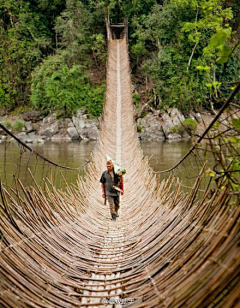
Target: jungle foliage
187,51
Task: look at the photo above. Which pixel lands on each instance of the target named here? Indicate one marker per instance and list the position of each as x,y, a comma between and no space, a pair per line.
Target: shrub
18,125
136,98
143,115
60,88
188,125
139,128
174,129
8,124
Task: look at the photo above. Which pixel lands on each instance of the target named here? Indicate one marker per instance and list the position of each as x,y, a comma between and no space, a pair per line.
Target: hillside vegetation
184,53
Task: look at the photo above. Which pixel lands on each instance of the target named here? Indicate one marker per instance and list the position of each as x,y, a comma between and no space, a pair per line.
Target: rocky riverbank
171,124
33,127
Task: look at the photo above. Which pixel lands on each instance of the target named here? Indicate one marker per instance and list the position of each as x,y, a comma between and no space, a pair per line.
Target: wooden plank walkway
167,248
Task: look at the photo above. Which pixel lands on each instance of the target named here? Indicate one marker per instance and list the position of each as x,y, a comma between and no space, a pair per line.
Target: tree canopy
185,51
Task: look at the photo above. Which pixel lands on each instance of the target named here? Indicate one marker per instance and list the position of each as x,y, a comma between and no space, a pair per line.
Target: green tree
173,41
185,49
78,34
25,36
61,82
210,18
63,89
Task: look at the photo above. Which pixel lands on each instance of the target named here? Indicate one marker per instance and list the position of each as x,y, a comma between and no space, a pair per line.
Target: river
15,162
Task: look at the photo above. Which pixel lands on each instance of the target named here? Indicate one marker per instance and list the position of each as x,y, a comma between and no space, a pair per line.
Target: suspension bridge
168,248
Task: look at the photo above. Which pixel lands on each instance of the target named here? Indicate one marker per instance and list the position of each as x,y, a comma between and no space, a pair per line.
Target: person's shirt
110,180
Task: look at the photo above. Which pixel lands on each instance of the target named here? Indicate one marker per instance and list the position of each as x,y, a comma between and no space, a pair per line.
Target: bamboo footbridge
166,249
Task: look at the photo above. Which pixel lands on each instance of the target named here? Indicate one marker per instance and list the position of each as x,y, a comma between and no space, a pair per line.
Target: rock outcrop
35,129
155,126
158,125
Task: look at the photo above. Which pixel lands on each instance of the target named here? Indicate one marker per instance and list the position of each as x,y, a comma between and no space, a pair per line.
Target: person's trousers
113,202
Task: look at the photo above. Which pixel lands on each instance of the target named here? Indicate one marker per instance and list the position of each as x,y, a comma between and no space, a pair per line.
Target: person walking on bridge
112,185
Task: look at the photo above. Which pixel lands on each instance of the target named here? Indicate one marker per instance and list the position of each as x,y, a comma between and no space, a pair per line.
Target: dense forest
184,53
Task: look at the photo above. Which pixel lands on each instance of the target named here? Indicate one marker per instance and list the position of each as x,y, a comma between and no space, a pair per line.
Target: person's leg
111,203
117,204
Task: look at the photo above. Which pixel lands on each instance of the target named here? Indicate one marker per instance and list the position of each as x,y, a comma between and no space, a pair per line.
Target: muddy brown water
15,162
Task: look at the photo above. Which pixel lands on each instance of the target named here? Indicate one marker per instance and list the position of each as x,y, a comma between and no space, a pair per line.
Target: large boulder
176,116
91,133
30,138
50,126
33,116
60,138
29,127
79,120
83,127
73,133
49,130
158,125
174,136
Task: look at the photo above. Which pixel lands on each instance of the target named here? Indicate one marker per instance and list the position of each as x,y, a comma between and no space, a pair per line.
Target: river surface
15,162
